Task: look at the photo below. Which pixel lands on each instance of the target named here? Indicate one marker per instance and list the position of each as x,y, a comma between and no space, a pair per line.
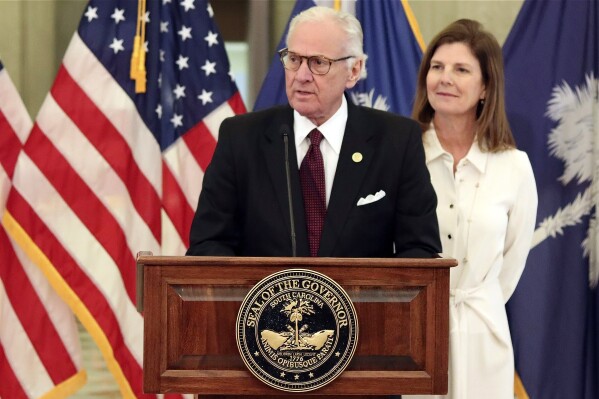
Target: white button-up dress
487,212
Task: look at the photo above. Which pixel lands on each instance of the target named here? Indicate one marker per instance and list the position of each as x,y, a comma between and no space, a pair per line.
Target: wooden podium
190,307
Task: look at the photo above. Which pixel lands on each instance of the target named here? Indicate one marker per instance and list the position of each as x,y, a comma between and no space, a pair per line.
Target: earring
482,102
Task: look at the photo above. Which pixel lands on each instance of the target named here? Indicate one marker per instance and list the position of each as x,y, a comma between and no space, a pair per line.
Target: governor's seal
297,330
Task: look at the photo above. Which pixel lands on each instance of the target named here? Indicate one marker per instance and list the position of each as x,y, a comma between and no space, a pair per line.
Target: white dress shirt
330,147
487,213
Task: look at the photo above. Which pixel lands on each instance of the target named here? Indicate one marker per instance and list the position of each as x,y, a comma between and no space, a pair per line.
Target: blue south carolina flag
393,44
394,47
552,71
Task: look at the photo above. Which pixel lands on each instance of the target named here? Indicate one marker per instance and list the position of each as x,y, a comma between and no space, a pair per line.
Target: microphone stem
291,218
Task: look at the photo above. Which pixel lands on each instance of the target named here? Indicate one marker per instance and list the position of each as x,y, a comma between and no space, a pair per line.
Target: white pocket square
371,198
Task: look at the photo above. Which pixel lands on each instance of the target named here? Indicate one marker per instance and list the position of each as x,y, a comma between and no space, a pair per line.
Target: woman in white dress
487,202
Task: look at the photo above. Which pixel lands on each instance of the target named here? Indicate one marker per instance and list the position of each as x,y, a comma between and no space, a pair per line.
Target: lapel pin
356,157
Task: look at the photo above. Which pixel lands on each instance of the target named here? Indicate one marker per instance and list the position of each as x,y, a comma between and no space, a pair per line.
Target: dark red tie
312,180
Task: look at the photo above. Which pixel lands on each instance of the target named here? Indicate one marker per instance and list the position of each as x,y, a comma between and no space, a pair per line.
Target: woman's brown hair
493,129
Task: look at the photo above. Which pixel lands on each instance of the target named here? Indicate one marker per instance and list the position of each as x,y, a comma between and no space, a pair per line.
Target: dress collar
434,150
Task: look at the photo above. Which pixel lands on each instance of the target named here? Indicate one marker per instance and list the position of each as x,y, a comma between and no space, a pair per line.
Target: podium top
146,258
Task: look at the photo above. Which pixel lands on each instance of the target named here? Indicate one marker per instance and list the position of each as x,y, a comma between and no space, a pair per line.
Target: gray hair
346,21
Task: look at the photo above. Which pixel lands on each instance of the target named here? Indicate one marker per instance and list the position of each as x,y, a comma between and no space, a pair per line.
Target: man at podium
319,176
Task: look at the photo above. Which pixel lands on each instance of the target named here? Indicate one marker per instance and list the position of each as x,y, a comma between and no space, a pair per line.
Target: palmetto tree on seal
295,312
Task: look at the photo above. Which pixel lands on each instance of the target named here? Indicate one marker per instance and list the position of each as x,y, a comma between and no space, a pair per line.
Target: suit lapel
274,157
348,178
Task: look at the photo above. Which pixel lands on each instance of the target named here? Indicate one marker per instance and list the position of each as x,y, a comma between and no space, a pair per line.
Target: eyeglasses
318,64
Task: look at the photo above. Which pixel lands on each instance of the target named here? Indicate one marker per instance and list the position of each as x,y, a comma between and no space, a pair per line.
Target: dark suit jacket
243,207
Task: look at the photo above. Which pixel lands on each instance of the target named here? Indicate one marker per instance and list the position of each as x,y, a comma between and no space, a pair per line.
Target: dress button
450,206
449,236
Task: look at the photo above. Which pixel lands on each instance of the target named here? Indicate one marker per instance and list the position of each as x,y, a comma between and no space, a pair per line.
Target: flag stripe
236,104
32,375
185,171
185,162
56,310
8,142
110,98
90,211
31,313
12,108
92,277
109,142
176,206
91,166
5,185
10,386
39,344
88,303
97,278
201,144
172,242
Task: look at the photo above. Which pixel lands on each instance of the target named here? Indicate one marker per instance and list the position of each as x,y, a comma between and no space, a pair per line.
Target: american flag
107,172
39,346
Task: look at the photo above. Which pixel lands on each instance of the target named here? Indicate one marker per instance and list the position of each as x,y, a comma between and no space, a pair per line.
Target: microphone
285,132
